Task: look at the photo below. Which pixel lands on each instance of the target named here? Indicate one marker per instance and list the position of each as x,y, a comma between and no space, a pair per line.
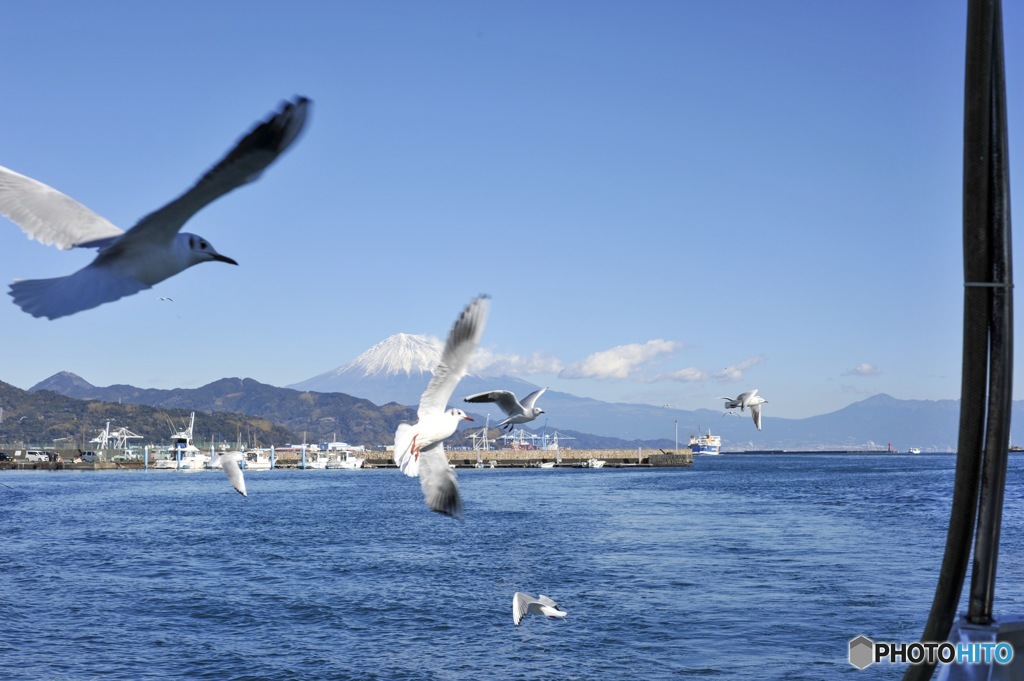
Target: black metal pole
983,52
993,480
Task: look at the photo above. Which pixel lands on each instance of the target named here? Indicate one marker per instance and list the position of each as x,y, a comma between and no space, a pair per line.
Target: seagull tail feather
87,288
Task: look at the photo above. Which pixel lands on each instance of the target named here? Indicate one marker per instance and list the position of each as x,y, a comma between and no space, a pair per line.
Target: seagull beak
223,258
468,418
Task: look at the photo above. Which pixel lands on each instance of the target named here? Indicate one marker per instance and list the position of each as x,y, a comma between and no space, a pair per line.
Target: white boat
914,450
342,455
546,464
182,454
313,460
592,463
705,444
344,461
257,460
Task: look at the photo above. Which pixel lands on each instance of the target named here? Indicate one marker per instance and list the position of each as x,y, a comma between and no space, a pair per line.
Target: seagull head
200,250
536,411
459,414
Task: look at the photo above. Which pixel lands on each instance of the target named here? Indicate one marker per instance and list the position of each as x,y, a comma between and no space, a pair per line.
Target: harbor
73,459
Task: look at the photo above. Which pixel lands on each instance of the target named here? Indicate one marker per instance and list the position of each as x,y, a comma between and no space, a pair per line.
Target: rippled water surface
742,567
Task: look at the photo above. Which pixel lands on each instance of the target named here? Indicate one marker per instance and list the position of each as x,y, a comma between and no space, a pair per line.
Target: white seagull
542,605
419,447
152,250
748,399
229,461
517,412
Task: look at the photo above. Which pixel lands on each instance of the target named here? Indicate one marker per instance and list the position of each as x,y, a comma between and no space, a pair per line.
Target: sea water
741,567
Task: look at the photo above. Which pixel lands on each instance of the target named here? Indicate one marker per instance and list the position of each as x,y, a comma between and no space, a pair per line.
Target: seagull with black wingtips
151,251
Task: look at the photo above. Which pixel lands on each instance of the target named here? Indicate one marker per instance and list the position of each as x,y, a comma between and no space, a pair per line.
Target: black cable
983,76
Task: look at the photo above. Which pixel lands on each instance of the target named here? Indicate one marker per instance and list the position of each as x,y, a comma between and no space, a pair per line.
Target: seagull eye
203,245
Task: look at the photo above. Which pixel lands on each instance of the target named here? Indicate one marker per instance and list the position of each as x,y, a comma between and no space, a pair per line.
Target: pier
461,458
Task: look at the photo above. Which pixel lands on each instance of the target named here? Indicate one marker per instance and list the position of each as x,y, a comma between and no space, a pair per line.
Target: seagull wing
544,600
531,399
440,490
87,288
48,216
520,605
743,399
403,450
505,399
755,413
243,164
229,462
462,341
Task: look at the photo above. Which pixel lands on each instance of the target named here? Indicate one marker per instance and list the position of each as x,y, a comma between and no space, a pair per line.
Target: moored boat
344,460
705,444
182,454
257,460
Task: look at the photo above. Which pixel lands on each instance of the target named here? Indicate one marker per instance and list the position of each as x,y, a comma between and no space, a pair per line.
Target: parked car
36,456
6,457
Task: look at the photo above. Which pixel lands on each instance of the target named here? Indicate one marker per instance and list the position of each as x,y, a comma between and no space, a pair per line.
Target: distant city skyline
668,203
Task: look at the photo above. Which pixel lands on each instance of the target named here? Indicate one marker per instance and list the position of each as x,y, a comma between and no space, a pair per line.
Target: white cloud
863,369
488,363
687,375
622,362
733,373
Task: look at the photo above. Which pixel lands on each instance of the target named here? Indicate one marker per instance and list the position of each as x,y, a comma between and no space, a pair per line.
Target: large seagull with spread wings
151,251
419,447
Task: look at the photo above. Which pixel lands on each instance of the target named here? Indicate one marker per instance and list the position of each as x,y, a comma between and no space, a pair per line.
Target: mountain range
363,401
49,419
398,369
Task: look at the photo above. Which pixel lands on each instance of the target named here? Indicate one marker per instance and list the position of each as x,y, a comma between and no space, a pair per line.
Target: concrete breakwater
526,458
501,458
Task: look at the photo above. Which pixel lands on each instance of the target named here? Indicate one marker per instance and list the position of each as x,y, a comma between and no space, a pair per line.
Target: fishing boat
182,454
257,460
705,444
344,460
313,459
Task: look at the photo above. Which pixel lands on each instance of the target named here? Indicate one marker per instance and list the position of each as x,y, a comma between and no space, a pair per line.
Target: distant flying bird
229,461
166,299
152,250
517,412
542,605
744,400
419,447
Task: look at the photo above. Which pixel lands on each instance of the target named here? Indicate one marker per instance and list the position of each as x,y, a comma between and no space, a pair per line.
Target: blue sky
668,201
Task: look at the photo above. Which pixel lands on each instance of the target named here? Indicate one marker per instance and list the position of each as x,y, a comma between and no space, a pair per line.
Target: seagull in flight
419,447
229,462
542,605
517,412
744,400
151,251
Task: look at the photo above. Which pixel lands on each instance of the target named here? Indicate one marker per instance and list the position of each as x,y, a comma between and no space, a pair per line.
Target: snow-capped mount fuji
397,369
400,353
